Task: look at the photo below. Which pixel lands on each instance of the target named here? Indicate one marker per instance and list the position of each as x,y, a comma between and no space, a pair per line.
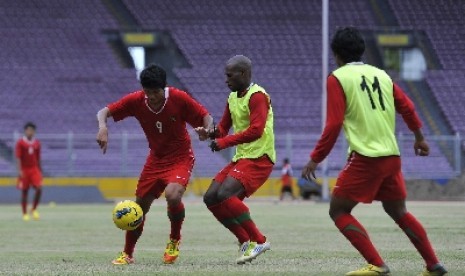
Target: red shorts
31,177
365,179
156,175
252,173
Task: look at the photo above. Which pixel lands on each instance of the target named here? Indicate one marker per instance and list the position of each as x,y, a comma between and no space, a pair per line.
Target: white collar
167,94
355,63
29,141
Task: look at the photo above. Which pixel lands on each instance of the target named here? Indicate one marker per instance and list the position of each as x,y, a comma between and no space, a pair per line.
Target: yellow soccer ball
127,215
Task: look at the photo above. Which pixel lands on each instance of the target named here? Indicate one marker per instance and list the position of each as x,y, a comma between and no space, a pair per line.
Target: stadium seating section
58,70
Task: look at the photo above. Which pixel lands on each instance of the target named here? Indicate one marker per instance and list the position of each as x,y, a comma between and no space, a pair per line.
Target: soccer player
162,113
29,169
363,100
286,179
249,112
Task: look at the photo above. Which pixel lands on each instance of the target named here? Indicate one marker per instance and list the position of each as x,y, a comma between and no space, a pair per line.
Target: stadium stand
58,70
439,20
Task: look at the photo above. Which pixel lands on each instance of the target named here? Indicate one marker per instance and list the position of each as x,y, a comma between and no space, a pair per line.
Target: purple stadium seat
58,70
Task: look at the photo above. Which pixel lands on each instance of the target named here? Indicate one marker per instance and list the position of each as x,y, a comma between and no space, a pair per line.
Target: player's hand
308,172
102,138
213,132
421,148
214,146
202,132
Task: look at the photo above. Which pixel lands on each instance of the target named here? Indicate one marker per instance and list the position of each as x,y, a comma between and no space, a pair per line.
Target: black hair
348,44
153,77
30,125
286,160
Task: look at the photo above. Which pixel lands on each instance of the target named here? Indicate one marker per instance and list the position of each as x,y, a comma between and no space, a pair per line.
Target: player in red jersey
162,113
363,100
29,169
286,179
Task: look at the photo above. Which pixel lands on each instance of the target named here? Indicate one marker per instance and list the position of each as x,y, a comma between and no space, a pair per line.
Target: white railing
72,154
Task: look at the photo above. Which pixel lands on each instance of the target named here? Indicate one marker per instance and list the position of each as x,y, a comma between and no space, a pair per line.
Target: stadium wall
92,189
106,189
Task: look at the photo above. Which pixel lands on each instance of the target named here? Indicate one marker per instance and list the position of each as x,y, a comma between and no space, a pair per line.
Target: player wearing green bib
250,114
363,100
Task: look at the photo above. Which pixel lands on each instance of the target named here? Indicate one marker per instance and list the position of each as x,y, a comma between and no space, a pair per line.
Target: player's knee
144,204
173,198
334,213
173,194
331,213
395,212
145,208
210,199
224,194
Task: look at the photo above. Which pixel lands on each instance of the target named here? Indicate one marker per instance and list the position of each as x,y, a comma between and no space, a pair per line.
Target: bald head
238,73
240,62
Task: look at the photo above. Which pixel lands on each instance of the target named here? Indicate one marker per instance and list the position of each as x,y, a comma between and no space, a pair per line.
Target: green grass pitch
82,240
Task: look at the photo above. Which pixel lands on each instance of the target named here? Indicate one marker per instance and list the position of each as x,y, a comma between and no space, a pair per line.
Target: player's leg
24,195
393,193
291,191
247,176
176,178
415,232
340,212
176,214
283,191
131,237
357,184
221,212
36,180
210,197
35,203
23,185
229,194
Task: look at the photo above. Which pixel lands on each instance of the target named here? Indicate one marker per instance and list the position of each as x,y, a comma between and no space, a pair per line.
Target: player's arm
207,128
102,134
119,110
39,162
406,108
258,106
208,124
197,116
222,129
18,159
335,110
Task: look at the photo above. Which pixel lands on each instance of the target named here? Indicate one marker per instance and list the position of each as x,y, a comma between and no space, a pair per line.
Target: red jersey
28,152
258,106
286,175
165,129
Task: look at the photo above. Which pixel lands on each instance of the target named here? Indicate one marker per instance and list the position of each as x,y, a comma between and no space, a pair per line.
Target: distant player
249,112
162,113
286,180
29,169
363,100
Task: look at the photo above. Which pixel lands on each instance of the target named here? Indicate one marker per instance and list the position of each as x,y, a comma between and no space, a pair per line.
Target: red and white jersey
286,175
28,152
165,129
